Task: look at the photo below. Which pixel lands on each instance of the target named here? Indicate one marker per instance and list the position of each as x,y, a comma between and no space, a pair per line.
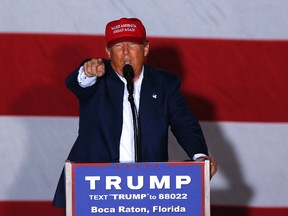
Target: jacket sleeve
184,125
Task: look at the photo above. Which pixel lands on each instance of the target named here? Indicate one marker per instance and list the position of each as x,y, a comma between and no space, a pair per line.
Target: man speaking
126,117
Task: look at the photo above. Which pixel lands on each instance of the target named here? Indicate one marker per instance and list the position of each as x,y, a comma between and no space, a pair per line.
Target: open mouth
127,62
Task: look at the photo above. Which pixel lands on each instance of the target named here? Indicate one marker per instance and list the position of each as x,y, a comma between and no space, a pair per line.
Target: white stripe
252,159
33,151
258,19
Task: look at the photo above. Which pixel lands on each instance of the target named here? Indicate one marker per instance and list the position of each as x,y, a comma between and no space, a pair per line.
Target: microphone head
128,72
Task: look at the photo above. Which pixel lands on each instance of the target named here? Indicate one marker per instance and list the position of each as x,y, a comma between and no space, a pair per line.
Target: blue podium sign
172,188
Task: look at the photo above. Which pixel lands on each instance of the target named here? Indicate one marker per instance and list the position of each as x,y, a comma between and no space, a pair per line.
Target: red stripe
44,208
29,208
228,80
247,211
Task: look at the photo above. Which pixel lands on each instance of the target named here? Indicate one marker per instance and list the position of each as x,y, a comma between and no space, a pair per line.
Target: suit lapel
114,96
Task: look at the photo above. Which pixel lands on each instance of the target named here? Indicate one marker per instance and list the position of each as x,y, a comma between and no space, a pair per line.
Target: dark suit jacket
100,124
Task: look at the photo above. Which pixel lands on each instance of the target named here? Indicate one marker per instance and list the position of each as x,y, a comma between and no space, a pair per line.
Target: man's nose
126,48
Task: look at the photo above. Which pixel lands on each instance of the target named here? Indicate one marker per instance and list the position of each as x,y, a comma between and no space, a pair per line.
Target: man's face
128,53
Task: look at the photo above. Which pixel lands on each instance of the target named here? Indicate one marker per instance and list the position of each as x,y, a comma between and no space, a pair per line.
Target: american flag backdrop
232,57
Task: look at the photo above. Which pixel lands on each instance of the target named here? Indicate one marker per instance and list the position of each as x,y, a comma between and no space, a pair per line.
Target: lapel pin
154,96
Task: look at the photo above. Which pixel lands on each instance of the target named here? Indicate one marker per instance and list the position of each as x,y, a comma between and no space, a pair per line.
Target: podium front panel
173,188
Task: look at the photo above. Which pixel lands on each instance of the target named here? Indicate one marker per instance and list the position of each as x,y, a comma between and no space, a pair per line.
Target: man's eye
118,45
132,44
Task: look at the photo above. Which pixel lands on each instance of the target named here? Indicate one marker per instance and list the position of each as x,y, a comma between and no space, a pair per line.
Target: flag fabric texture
232,58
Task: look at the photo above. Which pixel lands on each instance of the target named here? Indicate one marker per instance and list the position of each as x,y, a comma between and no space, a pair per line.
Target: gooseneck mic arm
129,74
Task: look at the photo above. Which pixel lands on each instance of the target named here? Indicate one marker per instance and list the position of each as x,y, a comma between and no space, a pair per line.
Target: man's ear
146,50
108,51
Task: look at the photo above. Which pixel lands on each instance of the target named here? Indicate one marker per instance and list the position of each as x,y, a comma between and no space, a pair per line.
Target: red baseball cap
125,30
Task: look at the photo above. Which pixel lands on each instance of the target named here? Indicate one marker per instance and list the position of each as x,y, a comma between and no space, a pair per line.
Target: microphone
129,74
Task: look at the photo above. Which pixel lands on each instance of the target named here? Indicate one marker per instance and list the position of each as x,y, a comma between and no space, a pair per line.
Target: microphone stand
136,129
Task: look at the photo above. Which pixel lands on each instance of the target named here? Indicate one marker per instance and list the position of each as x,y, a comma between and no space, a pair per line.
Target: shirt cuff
196,156
83,80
